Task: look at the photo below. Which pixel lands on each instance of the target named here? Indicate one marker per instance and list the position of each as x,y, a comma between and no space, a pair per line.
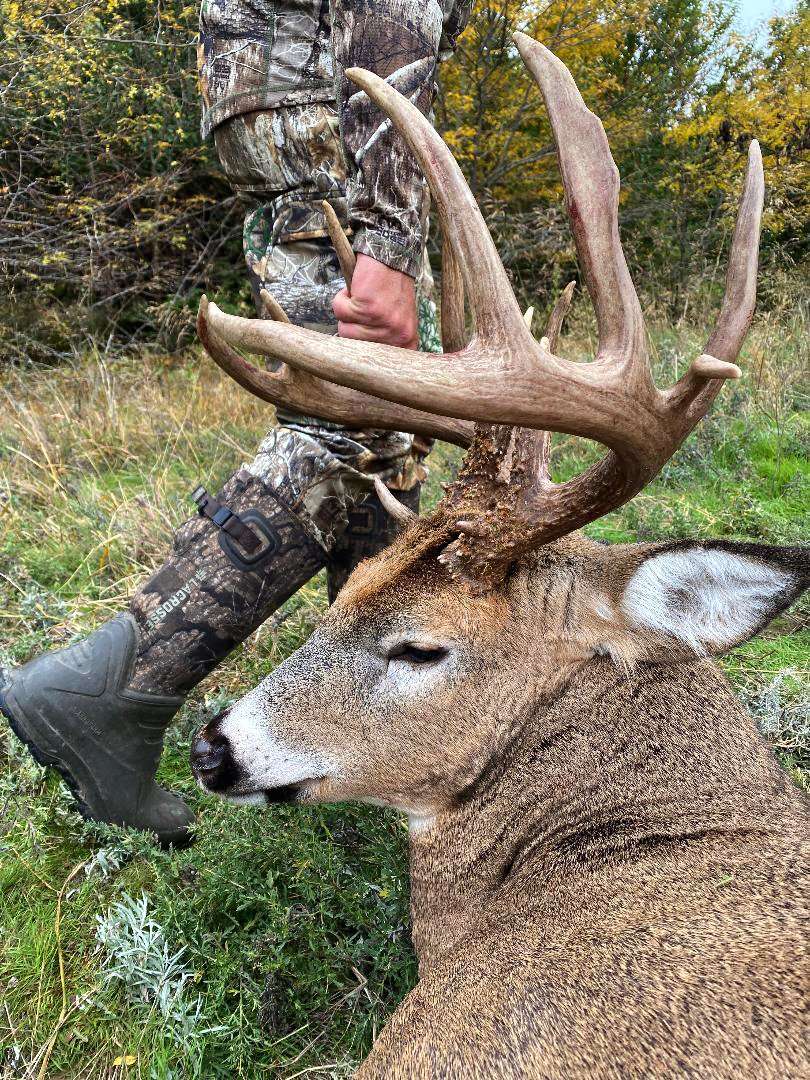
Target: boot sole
47,761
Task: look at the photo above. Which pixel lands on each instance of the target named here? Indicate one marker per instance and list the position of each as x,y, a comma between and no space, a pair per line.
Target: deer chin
295,790
285,793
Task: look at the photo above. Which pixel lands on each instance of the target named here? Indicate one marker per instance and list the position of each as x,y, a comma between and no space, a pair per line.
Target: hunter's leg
289,254
97,711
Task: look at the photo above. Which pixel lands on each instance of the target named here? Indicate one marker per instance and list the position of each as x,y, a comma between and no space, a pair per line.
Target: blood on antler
504,502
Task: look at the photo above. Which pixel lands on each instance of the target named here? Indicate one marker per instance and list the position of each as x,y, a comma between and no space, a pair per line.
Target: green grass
293,922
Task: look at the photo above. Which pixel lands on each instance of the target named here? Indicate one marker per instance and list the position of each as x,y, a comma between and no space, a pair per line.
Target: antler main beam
299,392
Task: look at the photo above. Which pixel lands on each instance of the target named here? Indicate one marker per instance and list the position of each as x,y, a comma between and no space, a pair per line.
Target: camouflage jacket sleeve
400,40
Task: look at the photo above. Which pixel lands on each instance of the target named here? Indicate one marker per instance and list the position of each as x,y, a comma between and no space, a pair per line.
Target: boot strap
226,520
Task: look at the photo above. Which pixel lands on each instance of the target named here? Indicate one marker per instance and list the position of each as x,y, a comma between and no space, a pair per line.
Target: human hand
380,307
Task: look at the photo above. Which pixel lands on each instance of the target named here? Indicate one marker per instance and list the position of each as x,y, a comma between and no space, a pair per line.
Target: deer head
413,682
425,662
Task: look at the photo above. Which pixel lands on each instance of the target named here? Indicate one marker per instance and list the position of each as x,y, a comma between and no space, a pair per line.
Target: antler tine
557,316
591,183
694,392
741,279
391,504
309,394
493,304
341,243
532,449
266,385
272,308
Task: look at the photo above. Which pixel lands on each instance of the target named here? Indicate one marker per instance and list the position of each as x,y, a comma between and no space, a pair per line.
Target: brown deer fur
608,866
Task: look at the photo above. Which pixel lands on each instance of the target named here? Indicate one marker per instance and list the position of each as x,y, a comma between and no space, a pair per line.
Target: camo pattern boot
371,528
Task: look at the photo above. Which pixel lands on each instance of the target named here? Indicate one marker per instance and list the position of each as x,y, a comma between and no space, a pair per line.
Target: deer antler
503,376
298,391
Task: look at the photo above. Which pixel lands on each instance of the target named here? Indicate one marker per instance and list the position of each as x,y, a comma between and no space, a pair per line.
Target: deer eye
417,654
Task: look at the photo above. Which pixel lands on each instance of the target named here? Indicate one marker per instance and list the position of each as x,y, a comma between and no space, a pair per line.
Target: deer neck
614,766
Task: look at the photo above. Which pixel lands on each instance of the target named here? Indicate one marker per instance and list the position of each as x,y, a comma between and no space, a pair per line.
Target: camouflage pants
284,162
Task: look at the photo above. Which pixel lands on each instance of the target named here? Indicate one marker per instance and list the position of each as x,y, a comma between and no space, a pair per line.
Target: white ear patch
708,598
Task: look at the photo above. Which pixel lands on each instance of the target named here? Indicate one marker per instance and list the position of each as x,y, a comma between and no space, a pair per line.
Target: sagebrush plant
782,711
289,924
138,957
153,977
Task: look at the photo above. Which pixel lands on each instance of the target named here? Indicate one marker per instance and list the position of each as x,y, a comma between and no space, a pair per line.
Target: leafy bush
114,217
113,209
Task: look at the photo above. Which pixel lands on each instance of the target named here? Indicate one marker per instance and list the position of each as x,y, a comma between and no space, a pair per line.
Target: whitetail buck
608,866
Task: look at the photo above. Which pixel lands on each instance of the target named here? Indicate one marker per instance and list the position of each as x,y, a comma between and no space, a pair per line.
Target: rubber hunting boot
97,711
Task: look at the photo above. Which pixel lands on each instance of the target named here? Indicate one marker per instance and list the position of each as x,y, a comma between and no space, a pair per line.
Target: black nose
208,755
211,759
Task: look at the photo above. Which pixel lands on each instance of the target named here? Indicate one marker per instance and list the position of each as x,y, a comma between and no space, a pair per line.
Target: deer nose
210,758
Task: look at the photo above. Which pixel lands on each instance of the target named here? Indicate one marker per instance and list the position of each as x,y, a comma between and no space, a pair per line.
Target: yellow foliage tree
681,95
767,98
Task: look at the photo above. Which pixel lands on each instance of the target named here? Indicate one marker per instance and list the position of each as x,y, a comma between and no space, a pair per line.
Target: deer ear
711,596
